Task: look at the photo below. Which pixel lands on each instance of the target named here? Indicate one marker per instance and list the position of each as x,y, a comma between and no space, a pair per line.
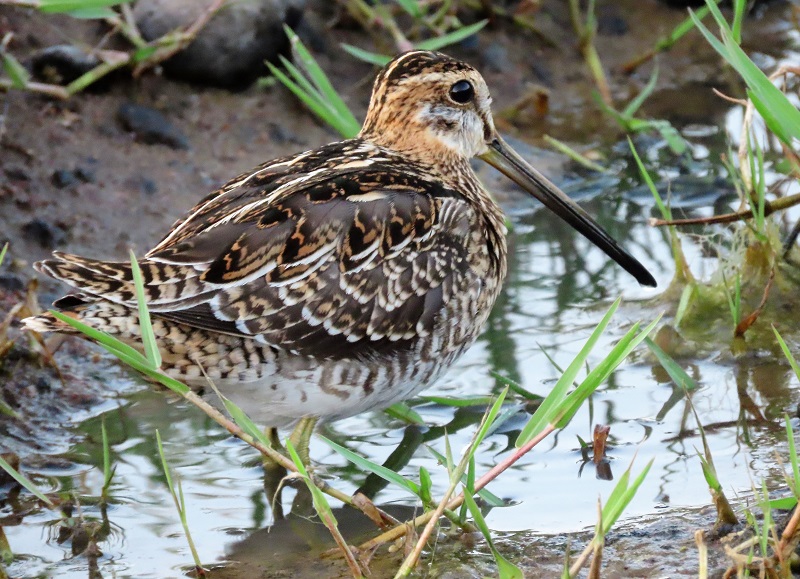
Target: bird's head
437,110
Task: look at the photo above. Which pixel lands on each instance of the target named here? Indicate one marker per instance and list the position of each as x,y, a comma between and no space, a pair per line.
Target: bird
340,279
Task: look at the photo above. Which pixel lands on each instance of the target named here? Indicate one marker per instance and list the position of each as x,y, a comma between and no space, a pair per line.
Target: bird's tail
105,289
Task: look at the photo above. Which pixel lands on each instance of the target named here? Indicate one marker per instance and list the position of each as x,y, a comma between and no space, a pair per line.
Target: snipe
339,279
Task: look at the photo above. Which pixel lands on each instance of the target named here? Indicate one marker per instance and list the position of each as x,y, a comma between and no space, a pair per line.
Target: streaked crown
430,106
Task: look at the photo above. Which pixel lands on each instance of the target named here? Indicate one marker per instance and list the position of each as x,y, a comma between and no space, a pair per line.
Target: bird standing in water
340,279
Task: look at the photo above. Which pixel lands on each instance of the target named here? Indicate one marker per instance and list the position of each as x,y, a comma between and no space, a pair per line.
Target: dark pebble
47,235
150,126
281,135
43,385
62,64
85,174
148,186
612,26
610,22
63,178
16,174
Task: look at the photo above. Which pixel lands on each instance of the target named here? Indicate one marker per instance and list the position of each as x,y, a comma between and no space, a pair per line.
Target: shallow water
559,287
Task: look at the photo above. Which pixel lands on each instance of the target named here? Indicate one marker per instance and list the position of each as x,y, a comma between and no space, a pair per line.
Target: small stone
63,178
281,135
45,234
231,49
17,174
62,64
85,174
610,22
43,385
148,186
150,126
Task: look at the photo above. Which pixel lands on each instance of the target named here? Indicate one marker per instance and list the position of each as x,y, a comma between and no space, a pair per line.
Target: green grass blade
783,504
639,99
516,388
489,420
543,415
666,212
109,342
505,568
323,84
165,468
411,7
489,498
3,252
621,496
383,472
61,6
404,412
25,482
305,84
145,325
366,55
600,373
786,352
92,13
793,458
766,94
127,354
683,304
681,29
245,422
565,149
315,105
739,7
678,374
451,37
16,72
320,502
324,511
461,402
425,486
307,99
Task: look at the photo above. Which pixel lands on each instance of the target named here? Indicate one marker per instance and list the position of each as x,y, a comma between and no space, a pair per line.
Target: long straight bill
507,161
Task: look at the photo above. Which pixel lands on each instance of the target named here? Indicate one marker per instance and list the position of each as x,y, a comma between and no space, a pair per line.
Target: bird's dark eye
462,92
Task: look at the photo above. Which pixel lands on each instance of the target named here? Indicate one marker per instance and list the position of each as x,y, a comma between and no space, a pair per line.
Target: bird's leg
301,437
